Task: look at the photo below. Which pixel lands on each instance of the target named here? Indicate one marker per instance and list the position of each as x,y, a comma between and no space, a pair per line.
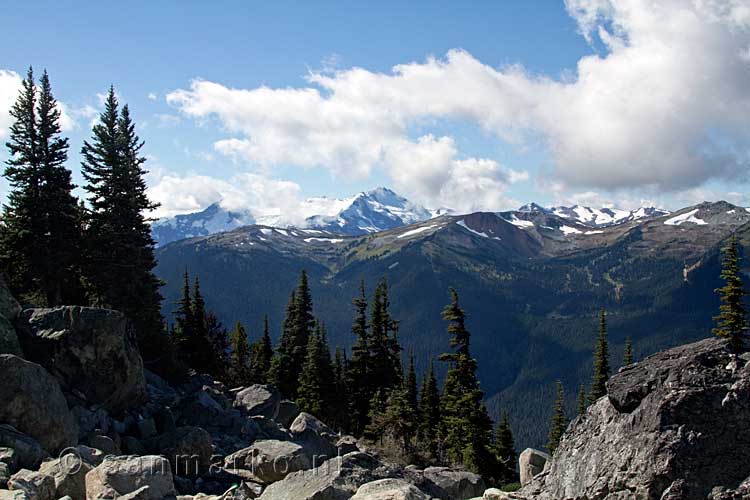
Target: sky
479,105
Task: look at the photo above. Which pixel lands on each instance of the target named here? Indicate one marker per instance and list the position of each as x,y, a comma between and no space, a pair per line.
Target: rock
143,493
8,339
118,476
531,462
187,448
262,400
5,474
36,485
90,421
9,306
269,460
104,443
288,411
146,427
89,455
90,351
33,403
29,453
346,444
315,436
389,489
459,484
201,409
13,495
338,478
132,446
266,428
672,426
495,494
69,475
9,457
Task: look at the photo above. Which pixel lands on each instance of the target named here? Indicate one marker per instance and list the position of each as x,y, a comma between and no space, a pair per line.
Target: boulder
269,460
9,457
90,420
36,485
459,484
27,451
531,462
495,494
91,351
132,446
8,339
266,428
262,400
69,475
346,444
9,306
119,476
33,403
672,426
188,450
5,474
104,443
315,436
288,411
13,495
389,489
335,479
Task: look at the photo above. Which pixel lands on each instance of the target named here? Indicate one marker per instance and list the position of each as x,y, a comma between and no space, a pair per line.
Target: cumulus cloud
665,106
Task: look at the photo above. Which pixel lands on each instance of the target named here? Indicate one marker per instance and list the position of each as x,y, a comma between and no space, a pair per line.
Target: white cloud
10,83
152,96
665,107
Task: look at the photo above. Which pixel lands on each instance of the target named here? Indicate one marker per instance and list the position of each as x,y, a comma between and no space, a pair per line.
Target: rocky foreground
80,418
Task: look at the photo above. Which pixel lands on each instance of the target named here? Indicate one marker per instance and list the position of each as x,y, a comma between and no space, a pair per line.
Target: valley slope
532,282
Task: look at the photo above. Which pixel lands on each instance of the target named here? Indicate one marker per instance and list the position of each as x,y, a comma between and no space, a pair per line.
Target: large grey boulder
32,402
69,475
269,460
91,351
262,400
459,484
531,463
27,451
672,426
8,339
389,489
336,479
119,476
188,449
36,485
317,438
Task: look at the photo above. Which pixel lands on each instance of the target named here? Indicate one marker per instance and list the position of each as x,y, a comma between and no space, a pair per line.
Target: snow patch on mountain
686,217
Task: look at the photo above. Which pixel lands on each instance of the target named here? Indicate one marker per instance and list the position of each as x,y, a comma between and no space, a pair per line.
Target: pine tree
385,353
219,340
262,354
410,384
429,412
342,402
582,401
627,357
183,315
239,370
559,420
281,365
316,383
731,323
601,361
359,372
41,233
199,347
466,424
505,450
120,248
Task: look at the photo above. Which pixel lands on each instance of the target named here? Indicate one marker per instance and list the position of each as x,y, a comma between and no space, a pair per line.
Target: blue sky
518,119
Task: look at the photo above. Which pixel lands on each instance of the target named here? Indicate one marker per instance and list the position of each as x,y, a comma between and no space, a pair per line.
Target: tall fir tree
731,322
505,450
199,346
582,402
410,385
183,315
559,421
466,424
385,353
239,369
429,412
601,361
359,371
342,403
627,355
262,354
316,382
41,233
220,348
120,249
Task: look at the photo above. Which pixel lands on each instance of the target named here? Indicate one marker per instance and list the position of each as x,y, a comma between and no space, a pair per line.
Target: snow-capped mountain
367,212
596,217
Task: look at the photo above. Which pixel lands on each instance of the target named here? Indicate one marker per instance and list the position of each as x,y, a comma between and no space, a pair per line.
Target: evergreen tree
627,357
582,401
731,322
310,395
601,361
385,353
359,371
183,315
342,402
41,232
410,385
120,248
199,347
466,424
239,370
505,450
219,340
429,412
397,422
559,420
262,354
282,372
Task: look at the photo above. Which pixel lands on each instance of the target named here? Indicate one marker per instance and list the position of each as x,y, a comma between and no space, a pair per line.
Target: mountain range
367,212
532,281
